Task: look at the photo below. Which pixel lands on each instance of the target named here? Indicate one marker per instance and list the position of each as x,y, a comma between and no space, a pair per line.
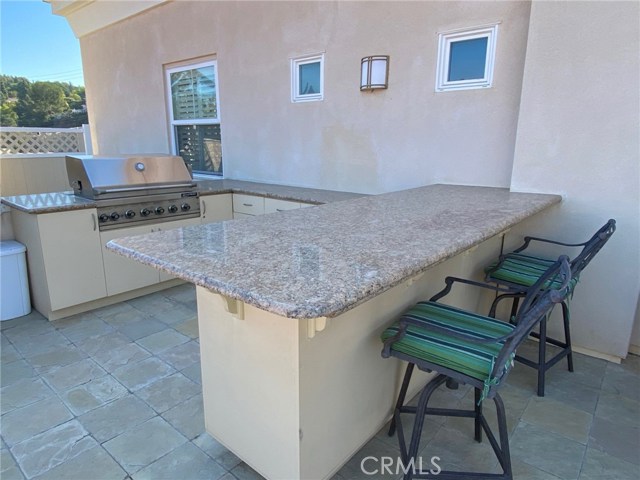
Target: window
195,116
307,78
465,58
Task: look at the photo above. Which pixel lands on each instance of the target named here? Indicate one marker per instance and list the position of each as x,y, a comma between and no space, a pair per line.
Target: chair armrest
528,240
449,281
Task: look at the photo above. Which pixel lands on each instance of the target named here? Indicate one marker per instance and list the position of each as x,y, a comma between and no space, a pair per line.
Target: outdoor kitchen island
291,305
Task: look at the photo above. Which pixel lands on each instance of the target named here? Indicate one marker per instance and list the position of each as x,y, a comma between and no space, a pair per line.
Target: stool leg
542,351
514,309
505,454
499,298
567,334
477,434
494,305
419,422
401,396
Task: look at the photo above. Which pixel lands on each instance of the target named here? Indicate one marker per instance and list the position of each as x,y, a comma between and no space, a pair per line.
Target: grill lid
97,177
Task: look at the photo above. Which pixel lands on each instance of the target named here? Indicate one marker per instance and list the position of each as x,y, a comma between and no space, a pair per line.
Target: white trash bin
14,285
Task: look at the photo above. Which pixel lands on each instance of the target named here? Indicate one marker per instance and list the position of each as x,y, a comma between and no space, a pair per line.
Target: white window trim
203,121
295,76
444,48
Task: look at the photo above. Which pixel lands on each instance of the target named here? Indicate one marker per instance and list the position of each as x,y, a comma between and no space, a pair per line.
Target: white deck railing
26,140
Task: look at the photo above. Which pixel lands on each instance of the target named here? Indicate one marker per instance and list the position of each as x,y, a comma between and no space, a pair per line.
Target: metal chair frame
517,291
536,306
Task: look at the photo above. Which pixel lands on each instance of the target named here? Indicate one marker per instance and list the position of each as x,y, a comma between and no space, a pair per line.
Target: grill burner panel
119,213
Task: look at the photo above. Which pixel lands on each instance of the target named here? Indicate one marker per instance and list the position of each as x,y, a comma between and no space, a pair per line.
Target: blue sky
36,44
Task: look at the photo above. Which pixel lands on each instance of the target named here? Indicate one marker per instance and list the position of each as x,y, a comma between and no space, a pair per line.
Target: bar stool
518,271
467,348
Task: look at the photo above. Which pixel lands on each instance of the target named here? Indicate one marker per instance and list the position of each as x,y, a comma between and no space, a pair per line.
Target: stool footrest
442,412
552,341
549,364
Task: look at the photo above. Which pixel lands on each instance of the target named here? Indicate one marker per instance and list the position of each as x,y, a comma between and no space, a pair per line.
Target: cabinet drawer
272,205
249,204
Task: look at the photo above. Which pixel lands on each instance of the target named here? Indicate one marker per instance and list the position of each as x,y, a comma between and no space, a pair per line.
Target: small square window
307,78
466,58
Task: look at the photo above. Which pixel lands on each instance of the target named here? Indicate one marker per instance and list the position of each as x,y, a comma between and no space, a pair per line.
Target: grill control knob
173,209
103,217
185,207
145,212
115,216
159,210
129,214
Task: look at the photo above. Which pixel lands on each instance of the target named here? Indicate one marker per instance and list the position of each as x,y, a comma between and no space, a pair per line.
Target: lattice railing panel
46,140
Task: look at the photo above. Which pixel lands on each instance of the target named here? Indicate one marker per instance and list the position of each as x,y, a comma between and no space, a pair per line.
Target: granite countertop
322,261
61,201
281,192
48,202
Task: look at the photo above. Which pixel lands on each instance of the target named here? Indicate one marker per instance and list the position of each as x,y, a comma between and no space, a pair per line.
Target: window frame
445,39
295,78
192,121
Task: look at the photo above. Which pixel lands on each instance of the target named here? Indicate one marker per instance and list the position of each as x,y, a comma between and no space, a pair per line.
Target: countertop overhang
322,261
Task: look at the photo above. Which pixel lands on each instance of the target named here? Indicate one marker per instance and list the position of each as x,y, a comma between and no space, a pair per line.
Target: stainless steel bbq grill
132,189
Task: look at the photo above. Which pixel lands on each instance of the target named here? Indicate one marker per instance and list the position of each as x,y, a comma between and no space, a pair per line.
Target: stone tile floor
115,394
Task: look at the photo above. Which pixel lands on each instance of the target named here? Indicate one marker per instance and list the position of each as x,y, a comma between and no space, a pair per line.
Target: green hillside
41,104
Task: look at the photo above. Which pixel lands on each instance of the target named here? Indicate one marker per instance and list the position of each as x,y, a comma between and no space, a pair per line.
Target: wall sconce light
374,73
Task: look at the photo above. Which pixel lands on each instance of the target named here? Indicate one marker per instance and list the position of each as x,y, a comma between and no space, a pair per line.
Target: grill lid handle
102,191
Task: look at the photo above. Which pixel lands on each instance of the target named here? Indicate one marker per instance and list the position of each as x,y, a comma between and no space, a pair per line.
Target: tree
74,101
70,119
11,87
8,115
40,103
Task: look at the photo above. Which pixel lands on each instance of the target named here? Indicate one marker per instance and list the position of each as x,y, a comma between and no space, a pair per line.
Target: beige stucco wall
578,135
634,344
574,131
23,174
370,142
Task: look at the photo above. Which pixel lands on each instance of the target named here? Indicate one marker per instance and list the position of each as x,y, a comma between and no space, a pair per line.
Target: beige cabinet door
123,274
215,208
248,204
72,257
176,224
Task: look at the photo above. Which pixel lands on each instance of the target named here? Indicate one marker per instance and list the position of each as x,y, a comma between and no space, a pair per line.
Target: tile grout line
39,376
526,401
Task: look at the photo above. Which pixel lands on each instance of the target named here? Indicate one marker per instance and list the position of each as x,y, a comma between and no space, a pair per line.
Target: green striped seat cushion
472,359
523,270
